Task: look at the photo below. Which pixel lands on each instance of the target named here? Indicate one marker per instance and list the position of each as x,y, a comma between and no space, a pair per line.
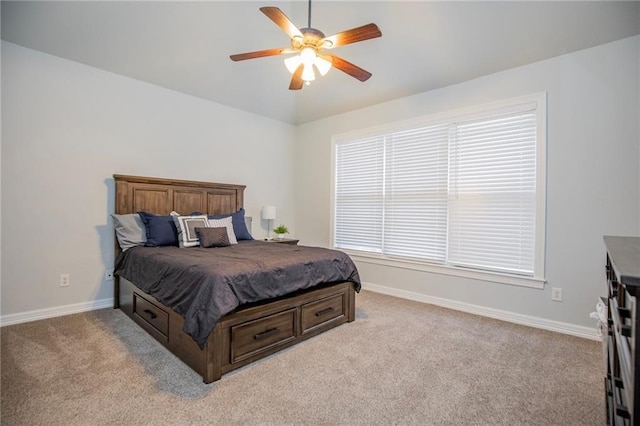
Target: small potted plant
280,231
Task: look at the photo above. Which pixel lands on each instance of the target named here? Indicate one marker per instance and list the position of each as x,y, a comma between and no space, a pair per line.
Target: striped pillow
224,223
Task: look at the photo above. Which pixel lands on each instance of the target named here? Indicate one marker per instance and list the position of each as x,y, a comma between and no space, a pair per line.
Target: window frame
463,114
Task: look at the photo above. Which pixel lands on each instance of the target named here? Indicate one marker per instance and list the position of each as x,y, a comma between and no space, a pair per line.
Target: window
462,190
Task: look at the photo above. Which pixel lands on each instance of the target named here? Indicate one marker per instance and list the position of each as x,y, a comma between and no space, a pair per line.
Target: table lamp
268,213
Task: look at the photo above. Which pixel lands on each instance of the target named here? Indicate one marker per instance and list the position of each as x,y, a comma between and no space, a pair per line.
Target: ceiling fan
309,45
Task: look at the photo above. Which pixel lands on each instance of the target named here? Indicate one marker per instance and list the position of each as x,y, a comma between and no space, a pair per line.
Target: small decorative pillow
187,236
130,230
227,223
213,237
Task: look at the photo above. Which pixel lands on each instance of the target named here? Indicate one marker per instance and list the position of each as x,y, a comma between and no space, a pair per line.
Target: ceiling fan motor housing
311,37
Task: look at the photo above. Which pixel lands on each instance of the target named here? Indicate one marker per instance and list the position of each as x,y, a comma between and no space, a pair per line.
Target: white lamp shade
323,65
292,63
268,212
307,73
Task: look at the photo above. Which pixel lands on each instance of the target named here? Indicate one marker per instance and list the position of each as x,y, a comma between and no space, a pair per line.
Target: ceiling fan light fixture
292,63
323,65
308,56
308,74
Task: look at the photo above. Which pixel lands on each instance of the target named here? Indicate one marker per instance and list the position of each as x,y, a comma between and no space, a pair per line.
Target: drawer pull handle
624,312
324,311
617,382
266,333
622,411
151,314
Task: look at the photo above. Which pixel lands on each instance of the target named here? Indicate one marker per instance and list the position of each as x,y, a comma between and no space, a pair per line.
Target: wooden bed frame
245,335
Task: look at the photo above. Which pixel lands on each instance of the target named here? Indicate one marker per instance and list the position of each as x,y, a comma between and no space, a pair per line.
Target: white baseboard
54,312
559,327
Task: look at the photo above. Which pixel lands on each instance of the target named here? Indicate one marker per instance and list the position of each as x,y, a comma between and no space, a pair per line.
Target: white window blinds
391,193
415,197
463,192
492,193
358,195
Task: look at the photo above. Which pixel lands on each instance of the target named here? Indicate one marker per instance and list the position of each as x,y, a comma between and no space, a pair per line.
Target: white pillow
186,226
224,223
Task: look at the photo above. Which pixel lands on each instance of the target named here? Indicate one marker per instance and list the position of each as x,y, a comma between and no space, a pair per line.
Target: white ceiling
185,46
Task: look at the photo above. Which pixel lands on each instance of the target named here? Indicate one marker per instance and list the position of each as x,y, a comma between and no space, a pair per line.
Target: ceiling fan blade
349,68
261,54
353,35
296,80
281,20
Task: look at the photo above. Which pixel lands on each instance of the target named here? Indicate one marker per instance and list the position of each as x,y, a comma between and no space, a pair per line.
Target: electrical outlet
108,276
556,294
65,280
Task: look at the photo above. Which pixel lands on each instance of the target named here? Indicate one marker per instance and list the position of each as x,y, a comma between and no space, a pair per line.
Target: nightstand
289,241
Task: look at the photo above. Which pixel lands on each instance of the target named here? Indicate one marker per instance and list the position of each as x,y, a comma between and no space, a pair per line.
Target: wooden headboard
162,196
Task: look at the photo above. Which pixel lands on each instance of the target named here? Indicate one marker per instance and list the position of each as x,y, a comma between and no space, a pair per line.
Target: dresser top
624,253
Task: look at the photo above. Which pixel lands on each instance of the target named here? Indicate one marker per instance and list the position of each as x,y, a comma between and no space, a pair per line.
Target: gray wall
592,180
67,128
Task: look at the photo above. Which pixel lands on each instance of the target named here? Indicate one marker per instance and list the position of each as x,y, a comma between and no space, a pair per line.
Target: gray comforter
204,284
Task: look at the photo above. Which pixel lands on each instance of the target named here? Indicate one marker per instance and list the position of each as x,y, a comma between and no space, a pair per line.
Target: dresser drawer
257,336
323,311
150,314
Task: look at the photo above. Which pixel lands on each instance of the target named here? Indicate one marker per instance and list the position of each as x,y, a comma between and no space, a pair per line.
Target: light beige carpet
400,362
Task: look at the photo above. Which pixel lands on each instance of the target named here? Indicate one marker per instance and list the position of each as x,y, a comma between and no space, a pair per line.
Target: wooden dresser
622,381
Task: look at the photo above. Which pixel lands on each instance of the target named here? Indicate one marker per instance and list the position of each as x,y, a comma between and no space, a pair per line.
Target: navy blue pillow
239,225
161,230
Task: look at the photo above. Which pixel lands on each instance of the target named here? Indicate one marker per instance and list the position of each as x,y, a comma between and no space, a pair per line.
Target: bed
241,332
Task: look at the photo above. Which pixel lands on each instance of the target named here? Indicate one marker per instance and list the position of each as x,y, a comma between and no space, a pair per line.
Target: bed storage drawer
148,313
260,335
316,314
